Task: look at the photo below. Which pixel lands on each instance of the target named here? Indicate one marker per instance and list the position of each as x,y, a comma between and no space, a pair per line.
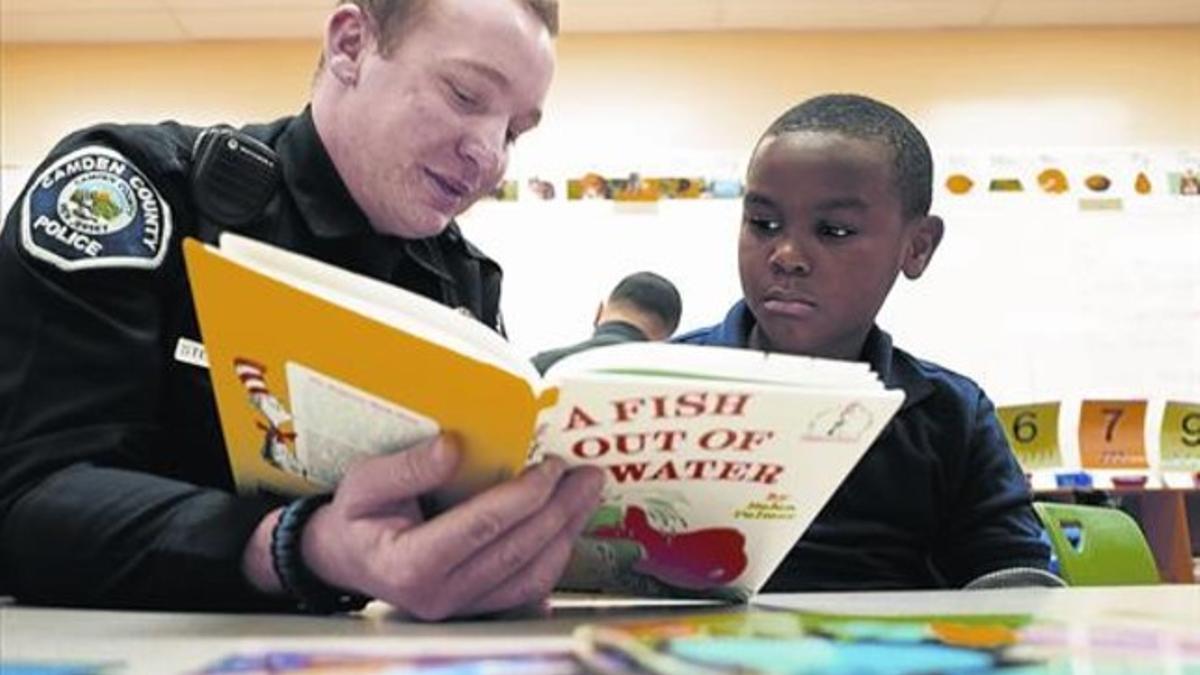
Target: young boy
837,204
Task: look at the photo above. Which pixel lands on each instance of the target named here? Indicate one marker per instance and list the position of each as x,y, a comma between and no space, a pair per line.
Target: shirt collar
329,210
427,254
314,183
895,368
734,331
620,329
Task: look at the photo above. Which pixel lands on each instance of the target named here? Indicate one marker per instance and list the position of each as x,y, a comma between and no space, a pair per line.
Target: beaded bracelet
311,594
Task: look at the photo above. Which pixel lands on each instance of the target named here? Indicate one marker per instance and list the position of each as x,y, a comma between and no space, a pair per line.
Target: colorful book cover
350,663
775,642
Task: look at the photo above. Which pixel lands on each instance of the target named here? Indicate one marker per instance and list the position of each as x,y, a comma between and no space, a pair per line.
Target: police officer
114,484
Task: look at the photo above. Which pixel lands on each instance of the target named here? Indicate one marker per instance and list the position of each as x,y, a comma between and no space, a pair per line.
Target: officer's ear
347,40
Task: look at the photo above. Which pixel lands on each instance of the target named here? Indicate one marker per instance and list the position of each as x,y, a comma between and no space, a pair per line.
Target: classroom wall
1037,301
649,96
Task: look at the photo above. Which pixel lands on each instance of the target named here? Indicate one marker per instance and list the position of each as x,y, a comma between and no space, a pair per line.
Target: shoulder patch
93,208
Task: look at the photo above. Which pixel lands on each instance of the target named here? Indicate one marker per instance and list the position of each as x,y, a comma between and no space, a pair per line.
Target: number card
1032,432
1180,440
1112,435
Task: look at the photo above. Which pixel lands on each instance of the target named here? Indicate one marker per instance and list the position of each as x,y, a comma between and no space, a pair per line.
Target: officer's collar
326,204
314,183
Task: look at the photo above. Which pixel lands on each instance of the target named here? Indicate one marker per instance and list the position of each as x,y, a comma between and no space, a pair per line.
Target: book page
713,363
709,483
336,423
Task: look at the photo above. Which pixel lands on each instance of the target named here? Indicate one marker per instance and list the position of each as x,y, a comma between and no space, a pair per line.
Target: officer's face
823,237
430,125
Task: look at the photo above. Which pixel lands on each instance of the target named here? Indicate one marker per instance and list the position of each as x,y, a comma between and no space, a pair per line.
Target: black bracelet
311,594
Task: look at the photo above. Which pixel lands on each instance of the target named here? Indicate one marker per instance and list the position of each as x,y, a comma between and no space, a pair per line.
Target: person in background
837,203
643,306
115,488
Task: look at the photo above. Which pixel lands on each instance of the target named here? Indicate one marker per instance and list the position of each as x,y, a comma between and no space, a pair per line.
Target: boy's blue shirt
938,500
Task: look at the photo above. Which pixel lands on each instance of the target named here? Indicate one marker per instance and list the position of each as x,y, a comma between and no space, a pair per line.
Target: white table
153,642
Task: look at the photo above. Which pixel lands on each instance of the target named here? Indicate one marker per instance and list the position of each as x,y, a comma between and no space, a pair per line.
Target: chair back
1097,546
1015,577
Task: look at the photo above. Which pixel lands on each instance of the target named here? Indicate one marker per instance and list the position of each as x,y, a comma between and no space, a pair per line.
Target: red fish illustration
697,560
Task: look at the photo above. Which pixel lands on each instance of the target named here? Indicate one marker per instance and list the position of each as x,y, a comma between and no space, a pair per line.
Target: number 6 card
1032,432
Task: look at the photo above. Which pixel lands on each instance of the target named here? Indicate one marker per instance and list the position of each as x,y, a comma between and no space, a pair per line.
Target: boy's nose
788,258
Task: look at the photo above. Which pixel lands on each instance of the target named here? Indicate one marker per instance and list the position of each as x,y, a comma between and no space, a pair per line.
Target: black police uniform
115,488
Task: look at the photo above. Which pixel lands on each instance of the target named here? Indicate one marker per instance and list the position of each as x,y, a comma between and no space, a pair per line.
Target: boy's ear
347,37
923,238
599,313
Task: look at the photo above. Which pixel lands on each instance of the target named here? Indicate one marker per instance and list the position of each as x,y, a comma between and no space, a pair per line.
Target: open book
716,459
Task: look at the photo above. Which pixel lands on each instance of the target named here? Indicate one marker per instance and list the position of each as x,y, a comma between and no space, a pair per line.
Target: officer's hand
504,548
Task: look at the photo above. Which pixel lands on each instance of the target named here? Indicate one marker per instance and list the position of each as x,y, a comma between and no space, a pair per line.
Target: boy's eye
834,230
763,224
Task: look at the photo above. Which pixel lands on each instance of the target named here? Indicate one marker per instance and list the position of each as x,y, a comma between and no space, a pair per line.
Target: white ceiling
178,20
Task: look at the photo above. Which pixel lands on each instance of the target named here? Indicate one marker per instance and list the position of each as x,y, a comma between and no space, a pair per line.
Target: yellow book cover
716,459
309,371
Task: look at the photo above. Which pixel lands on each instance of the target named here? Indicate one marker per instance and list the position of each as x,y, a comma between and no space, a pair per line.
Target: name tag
191,352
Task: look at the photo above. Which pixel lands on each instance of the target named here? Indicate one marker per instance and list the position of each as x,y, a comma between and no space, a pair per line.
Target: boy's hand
503,548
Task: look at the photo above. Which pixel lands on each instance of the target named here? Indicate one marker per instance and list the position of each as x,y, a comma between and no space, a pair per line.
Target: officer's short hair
652,294
391,16
866,119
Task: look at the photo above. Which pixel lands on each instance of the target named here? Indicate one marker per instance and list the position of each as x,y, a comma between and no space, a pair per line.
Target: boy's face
823,237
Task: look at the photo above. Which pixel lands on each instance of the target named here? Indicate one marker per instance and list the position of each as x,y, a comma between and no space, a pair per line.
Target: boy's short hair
864,118
390,16
650,293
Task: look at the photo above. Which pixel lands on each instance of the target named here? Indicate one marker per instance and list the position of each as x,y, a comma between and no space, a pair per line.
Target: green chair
1109,550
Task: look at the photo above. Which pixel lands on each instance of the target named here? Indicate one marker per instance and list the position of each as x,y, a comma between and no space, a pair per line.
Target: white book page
720,363
708,483
337,423
380,301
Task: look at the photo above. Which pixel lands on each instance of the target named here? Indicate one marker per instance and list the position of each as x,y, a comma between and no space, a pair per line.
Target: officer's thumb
375,483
